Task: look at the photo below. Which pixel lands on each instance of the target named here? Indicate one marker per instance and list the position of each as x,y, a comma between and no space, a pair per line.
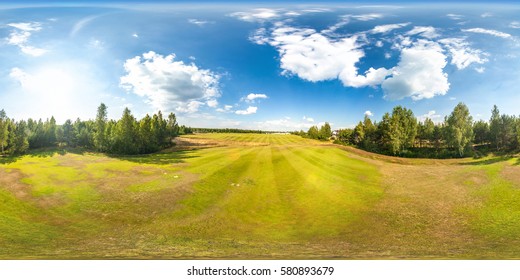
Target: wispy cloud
455,16
489,32
461,54
515,24
199,22
388,27
424,31
20,35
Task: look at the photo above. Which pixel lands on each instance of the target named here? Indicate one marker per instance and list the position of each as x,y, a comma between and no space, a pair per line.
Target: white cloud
388,27
308,119
424,31
486,15
198,22
480,70
515,24
367,17
226,109
461,54
250,110
284,125
252,96
81,23
379,44
368,113
419,73
314,57
436,118
257,15
259,36
135,35
455,16
212,103
453,98
489,32
20,37
168,84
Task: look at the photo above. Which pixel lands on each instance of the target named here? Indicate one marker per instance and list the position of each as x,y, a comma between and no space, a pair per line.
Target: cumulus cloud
461,54
20,37
252,96
315,57
489,32
388,27
368,114
419,73
168,84
250,110
423,31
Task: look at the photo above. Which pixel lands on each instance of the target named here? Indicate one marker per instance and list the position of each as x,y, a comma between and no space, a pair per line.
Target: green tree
126,134
100,138
398,131
425,131
344,135
19,142
50,128
494,127
358,135
148,142
67,135
459,129
4,132
172,128
481,131
313,132
325,132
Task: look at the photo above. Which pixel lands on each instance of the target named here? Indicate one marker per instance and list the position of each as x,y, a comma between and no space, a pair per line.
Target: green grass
257,196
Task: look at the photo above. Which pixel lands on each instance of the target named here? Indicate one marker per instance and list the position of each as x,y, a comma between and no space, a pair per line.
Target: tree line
124,136
400,134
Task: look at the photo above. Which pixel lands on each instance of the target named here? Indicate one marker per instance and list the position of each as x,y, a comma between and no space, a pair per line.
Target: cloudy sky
264,66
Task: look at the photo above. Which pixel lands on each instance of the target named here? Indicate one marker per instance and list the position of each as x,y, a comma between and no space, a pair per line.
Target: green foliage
459,129
325,132
100,136
4,132
481,130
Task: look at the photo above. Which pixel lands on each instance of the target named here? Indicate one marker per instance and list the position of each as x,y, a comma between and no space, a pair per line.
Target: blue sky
263,66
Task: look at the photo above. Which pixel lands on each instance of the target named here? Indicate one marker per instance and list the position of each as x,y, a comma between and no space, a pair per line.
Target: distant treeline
124,136
399,133
228,130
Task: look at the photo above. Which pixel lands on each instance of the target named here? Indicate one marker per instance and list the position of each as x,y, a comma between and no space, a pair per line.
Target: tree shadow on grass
41,153
488,161
161,158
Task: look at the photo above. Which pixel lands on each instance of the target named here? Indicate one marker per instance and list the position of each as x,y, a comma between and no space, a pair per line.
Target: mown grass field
254,196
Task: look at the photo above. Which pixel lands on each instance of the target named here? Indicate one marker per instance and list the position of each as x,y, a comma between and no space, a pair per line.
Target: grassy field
257,196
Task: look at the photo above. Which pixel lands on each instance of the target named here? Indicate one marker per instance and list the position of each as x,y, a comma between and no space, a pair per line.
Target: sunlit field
257,196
